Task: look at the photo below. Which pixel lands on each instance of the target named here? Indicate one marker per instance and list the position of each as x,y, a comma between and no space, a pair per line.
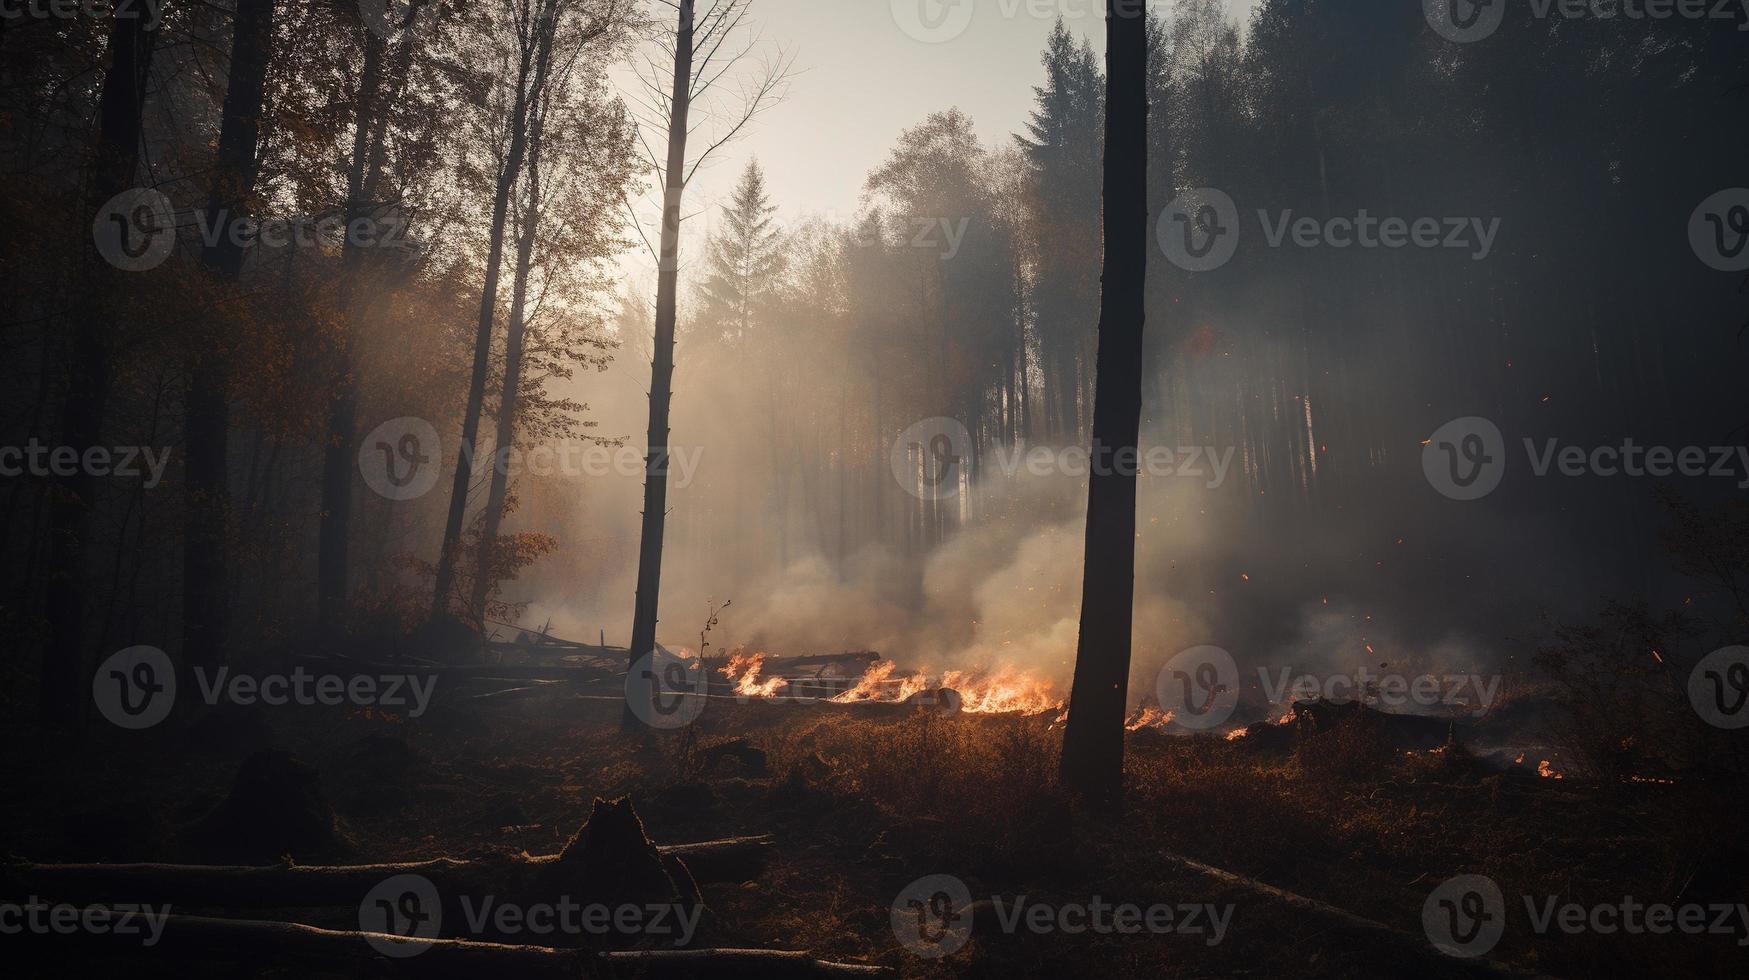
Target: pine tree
746,260
1064,148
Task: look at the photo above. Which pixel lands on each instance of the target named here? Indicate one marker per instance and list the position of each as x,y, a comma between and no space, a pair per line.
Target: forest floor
862,806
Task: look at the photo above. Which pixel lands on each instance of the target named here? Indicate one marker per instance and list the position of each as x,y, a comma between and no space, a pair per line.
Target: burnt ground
863,803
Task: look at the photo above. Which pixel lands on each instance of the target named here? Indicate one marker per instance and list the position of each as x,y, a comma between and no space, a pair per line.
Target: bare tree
706,49
1093,738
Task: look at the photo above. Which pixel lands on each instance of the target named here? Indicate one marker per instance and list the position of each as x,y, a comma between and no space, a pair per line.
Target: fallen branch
732,859
1375,934
188,937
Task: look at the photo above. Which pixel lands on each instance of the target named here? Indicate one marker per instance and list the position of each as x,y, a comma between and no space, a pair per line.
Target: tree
700,61
115,157
372,101
206,565
1092,763
569,211
1062,146
536,22
745,260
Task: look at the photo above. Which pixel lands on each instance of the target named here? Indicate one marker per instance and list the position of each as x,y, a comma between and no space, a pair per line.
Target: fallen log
732,859
257,943
1374,934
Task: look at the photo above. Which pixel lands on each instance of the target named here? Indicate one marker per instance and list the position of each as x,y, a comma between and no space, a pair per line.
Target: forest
712,488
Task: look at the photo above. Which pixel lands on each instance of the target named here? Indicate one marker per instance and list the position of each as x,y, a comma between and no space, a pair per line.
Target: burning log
196,938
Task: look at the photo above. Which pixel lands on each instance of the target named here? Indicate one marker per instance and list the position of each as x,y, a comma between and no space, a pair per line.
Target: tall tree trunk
458,499
337,466
505,439
1092,763
662,361
204,559
115,158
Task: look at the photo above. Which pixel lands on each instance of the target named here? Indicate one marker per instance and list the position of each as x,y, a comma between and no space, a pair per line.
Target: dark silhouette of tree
1093,737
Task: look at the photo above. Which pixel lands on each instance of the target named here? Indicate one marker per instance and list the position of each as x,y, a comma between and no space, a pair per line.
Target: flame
743,669
1147,717
1547,771
1237,734
1005,689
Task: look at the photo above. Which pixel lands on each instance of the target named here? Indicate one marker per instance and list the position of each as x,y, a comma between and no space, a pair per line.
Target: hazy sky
867,71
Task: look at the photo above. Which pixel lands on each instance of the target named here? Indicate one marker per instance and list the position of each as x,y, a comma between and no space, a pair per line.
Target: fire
1147,716
1005,689
1547,771
744,669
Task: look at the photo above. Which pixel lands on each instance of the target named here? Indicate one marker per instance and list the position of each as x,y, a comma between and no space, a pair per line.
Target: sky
869,69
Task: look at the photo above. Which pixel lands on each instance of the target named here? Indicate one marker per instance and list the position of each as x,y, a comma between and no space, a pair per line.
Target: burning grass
999,690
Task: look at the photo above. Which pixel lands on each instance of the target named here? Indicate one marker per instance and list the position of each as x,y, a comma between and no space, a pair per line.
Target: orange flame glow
744,669
1004,689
